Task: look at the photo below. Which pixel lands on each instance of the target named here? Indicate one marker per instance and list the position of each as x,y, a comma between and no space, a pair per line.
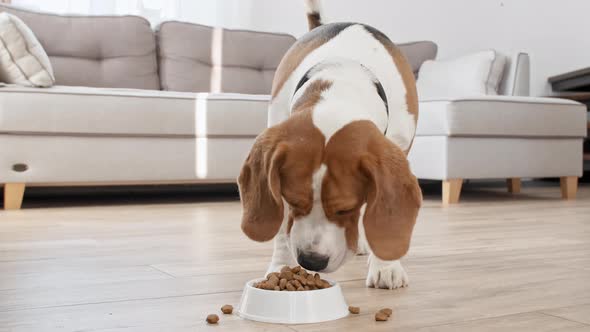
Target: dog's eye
344,212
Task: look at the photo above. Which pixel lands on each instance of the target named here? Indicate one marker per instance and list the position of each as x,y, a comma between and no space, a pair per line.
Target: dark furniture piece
575,85
577,80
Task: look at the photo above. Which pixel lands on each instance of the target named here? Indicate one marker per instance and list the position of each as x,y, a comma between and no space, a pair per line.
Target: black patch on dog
381,93
303,80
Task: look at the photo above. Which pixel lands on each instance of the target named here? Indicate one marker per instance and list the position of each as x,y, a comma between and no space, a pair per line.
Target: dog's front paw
386,274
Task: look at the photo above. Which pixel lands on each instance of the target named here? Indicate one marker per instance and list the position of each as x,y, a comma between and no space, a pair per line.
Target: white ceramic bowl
303,307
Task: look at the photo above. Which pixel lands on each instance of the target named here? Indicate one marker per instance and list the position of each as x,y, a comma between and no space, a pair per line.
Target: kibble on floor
227,309
212,319
354,310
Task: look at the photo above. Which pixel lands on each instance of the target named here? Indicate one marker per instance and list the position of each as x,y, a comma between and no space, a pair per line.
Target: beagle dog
342,119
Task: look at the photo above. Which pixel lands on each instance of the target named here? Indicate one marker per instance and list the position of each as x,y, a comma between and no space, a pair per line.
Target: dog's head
324,189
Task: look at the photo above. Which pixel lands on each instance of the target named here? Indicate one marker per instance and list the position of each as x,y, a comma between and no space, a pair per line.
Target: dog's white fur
314,233
337,109
352,96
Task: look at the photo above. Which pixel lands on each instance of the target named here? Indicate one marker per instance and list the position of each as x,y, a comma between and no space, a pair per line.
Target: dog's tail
314,17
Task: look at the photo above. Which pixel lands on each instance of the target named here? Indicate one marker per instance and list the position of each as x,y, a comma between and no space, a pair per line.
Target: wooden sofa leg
513,185
451,190
569,187
13,195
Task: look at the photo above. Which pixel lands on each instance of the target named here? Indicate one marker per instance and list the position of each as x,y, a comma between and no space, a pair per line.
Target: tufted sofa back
195,57
96,51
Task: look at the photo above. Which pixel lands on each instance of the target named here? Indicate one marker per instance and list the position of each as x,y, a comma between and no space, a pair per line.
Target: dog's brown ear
260,187
393,199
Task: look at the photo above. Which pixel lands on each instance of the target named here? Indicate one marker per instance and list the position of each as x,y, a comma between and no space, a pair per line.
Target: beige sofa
181,104
507,136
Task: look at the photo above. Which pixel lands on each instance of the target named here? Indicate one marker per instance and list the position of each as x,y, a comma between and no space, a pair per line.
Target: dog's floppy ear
260,187
393,199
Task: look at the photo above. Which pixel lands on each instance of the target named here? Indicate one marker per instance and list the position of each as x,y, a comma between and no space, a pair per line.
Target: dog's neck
352,93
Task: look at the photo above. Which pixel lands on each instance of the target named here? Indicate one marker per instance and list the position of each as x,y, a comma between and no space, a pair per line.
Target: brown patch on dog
291,61
364,166
314,20
311,96
405,70
280,166
403,67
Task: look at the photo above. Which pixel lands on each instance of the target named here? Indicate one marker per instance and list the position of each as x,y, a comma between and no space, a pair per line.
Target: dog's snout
312,262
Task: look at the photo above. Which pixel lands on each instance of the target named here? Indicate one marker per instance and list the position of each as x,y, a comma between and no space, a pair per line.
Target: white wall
553,32
228,13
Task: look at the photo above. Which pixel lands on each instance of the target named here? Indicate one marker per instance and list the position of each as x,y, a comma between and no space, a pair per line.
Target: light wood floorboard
517,322
493,262
579,313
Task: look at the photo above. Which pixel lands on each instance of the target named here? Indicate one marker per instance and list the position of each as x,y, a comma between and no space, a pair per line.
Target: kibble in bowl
292,296
292,279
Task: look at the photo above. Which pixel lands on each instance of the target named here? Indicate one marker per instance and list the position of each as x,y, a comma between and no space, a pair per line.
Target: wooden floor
494,262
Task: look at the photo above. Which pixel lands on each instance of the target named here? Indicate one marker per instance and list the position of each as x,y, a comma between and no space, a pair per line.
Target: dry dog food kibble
381,317
387,311
288,275
383,314
290,287
292,279
283,284
212,319
227,309
354,310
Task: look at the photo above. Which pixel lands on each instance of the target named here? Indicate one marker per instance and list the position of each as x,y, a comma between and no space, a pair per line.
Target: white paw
386,274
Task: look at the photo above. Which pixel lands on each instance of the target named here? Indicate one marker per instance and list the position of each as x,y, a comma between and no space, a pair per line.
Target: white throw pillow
469,75
23,60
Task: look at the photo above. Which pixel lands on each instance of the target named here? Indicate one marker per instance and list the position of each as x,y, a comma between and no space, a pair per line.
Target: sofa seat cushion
502,116
82,111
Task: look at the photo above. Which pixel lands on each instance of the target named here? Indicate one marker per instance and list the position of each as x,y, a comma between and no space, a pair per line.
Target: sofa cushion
79,111
199,58
22,58
502,116
477,73
418,52
96,51
516,80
